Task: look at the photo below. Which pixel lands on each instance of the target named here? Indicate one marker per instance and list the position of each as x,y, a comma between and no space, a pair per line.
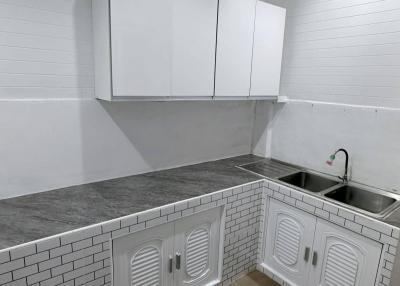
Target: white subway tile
370,233
110,226
26,271
23,251
128,221
12,265
149,215
48,244
51,263
4,256
346,214
353,226
42,256
80,234
38,277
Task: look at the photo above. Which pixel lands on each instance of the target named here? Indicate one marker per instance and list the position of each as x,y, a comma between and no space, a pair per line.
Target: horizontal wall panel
39,29
33,67
46,49
351,51
41,42
343,51
310,7
345,11
349,80
29,80
376,60
373,72
45,56
62,7
11,93
347,31
20,12
355,20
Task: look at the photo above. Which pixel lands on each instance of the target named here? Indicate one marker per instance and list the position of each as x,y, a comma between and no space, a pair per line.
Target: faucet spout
333,157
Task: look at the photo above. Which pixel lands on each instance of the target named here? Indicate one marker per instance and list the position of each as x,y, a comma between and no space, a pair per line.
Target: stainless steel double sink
373,202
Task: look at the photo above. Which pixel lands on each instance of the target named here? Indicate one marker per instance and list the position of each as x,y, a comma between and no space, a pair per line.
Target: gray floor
255,279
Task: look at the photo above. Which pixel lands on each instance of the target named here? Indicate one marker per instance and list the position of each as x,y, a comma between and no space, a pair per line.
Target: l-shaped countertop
31,217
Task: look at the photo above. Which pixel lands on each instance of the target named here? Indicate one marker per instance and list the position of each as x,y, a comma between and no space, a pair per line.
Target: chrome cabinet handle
306,254
178,261
315,258
171,260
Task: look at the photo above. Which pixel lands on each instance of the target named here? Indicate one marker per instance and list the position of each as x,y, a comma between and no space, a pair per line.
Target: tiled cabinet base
83,257
185,252
368,230
310,251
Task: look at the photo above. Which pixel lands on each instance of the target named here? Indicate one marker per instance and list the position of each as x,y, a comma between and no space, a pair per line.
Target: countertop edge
124,217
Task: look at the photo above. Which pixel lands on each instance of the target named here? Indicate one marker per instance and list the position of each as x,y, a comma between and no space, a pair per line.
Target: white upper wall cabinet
235,47
250,45
178,49
193,47
141,44
267,50
158,48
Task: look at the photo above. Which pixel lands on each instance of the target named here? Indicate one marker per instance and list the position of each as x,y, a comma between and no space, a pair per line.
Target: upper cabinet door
141,45
193,47
142,258
163,47
198,248
267,50
344,257
234,47
288,242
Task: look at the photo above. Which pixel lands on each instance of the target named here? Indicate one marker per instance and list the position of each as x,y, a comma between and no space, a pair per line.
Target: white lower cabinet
342,257
143,258
288,242
185,252
197,243
307,251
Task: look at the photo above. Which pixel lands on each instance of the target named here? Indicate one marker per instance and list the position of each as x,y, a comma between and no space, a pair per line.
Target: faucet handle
344,179
331,159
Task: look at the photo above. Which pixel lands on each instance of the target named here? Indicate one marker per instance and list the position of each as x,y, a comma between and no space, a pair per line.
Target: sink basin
372,202
309,181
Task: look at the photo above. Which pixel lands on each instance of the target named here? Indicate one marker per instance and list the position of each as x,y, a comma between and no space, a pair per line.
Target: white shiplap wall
343,51
45,49
341,72
53,133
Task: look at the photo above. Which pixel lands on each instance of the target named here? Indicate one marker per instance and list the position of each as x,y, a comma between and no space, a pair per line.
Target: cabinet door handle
171,260
315,258
306,254
178,261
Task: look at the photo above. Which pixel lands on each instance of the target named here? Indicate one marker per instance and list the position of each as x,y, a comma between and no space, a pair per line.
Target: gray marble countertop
27,218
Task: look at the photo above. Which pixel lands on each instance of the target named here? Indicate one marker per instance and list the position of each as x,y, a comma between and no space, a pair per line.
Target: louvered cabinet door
344,258
142,258
197,249
288,242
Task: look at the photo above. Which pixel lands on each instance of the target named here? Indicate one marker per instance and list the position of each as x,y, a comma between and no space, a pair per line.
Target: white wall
345,53
307,134
46,49
55,134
